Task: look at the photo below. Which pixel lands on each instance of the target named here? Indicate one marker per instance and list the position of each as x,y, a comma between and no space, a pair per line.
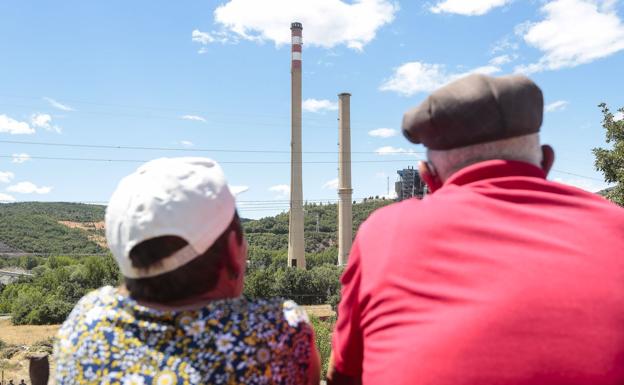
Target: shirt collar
497,168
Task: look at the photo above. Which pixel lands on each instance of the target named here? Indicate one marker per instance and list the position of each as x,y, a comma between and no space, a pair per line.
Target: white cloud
326,23
59,105
14,127
44,121
314,105
28,188
389,150
205,38
282,190
505,44
20,158
414,77
383,132
331,184
501,60
238,189
619,115
573,32
6,176
41,120
467,7
186,143
202,37
193,117
585,184
559,105
6,198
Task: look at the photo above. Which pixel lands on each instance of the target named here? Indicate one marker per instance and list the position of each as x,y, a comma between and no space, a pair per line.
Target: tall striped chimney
345,192
296,245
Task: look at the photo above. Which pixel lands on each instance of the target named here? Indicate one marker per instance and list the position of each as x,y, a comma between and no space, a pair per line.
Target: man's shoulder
395,212
595,203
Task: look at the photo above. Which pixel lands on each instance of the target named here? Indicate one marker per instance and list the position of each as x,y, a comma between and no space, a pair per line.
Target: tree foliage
610,161
49,296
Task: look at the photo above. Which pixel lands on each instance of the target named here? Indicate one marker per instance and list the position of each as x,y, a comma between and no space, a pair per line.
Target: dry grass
320,311
26,334
89,227
25,337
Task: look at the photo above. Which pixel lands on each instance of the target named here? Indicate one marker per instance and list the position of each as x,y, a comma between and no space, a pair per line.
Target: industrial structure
345,192
409,184
296,243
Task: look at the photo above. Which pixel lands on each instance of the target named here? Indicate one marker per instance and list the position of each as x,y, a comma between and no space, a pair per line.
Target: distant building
409,184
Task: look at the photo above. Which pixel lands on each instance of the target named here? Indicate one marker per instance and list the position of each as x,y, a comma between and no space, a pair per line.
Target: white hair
524,148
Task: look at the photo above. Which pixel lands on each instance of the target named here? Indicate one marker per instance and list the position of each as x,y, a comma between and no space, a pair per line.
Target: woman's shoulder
272,309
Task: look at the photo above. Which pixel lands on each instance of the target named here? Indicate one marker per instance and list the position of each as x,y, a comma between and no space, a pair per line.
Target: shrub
323,332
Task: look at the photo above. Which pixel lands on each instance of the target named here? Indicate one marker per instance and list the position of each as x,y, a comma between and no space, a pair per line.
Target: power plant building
409,184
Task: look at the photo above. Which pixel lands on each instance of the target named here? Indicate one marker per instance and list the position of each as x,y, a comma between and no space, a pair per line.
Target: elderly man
499,276
180,319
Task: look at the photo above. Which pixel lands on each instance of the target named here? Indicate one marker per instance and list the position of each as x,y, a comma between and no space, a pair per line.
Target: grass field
16,367
27,334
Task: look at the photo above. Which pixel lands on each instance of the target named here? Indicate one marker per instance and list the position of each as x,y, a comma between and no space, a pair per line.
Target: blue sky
215,75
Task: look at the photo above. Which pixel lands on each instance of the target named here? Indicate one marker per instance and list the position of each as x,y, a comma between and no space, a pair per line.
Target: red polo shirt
500,277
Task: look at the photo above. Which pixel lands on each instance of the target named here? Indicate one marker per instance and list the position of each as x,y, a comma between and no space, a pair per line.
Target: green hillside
59,281
34,227
272,232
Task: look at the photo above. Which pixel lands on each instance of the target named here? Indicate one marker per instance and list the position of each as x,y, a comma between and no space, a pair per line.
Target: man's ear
235,261
429,176
548,158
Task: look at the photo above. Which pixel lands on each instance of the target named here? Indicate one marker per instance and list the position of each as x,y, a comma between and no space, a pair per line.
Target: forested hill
51,227
271,233
75,228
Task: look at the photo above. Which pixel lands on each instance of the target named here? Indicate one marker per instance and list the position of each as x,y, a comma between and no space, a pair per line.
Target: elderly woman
180,319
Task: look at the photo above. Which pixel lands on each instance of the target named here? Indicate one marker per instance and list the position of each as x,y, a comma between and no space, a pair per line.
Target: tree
611,161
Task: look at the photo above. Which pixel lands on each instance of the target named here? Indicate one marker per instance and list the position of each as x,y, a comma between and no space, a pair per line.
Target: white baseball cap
184,197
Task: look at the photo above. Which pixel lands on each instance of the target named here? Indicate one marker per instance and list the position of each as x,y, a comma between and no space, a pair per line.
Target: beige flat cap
476,109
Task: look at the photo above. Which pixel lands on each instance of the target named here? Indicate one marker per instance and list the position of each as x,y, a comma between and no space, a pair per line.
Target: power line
125,147
83,145
578,175
220,162
187,111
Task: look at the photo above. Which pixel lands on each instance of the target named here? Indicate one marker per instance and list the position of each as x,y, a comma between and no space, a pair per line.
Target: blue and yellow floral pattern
111,339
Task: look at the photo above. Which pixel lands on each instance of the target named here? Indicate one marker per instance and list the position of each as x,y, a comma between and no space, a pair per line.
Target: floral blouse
110,339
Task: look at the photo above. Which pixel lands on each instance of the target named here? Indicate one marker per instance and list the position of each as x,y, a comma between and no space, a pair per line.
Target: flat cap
476,109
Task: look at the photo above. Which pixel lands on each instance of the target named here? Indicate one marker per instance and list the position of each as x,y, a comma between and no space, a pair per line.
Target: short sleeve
347,342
